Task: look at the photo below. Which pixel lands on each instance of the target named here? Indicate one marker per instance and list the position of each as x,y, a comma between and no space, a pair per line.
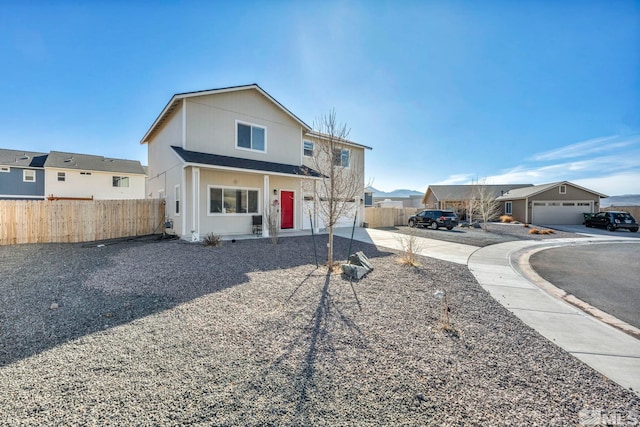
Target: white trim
230,187
195,186
24,175
251,125
266,203
62,175
313,147
184,197
184,123
20,196
508,211
562,187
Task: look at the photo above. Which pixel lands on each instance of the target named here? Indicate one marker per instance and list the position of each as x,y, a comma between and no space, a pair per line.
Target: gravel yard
172,333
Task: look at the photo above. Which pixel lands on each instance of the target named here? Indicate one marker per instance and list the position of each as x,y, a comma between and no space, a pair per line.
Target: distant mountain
624,200
395,193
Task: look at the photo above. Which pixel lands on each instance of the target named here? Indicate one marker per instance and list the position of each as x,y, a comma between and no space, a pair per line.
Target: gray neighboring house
456,197
557,203
21,175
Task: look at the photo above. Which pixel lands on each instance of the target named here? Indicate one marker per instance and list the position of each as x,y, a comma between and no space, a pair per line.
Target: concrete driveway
582,229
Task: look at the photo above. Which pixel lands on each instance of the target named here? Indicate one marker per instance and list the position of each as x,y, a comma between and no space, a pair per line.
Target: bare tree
341,184
486,204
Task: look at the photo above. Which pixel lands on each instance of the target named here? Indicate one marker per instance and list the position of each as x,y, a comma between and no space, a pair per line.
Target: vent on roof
69,160
24,157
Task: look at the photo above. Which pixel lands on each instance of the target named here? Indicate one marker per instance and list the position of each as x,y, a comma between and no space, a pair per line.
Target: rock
359,258
54,306
354,271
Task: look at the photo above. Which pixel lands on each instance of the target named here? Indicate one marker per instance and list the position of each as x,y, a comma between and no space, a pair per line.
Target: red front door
286,209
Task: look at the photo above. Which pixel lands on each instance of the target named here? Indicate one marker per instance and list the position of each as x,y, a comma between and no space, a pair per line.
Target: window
5,169
341,157
177,195
508,208
29,175
251,137
563,189
232,201
308,149
62,176
120,181
85,173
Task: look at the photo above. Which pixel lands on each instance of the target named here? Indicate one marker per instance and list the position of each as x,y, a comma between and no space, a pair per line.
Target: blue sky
444,91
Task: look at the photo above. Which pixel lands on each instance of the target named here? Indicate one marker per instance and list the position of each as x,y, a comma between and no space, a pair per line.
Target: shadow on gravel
54,293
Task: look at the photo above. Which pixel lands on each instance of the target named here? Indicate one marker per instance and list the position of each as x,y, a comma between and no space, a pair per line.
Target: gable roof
239,163
523,193
175,100
86,162
23,159
456,193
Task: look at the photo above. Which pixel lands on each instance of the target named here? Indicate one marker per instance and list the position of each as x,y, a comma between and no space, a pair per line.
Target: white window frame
342,152
223,213
62,175
508,208
563,189
304,149
26,173
176,206
120,180
251,125
5,169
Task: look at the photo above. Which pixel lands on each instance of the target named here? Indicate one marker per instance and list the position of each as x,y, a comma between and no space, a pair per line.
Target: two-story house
224,156
84,176
21,175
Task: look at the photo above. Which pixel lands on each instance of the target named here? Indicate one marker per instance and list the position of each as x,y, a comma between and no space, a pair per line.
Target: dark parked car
612,220
434,218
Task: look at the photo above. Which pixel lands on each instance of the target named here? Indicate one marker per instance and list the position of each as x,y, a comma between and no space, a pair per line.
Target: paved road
605,275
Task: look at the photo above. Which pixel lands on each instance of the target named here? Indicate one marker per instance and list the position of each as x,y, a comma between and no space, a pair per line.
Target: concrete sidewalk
502,271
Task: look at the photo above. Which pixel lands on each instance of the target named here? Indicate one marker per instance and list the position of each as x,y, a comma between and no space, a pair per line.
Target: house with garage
73,176
457,197
21,175
223,159
551,204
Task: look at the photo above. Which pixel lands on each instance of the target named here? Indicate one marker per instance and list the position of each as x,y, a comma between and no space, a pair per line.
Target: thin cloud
586,148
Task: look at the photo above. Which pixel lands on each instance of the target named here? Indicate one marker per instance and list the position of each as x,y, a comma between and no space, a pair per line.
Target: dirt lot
496,233
168,333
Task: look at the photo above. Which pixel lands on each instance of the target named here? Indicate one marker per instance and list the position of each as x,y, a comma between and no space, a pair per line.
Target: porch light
275,192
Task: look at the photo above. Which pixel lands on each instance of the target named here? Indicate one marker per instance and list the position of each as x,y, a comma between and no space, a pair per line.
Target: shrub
534,231
410,248
506,218
212,240
546,231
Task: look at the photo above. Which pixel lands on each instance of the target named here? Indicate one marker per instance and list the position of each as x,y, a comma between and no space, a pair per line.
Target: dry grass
506,218
212,239
410,248
538,231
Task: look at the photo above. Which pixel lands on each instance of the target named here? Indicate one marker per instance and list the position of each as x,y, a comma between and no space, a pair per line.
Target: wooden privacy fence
633,210
43,221
387,217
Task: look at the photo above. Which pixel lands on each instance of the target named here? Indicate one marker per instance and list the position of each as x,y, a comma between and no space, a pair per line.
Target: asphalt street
605,275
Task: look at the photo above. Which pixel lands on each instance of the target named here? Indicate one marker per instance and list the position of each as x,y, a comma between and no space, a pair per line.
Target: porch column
266,205
195,186
316,208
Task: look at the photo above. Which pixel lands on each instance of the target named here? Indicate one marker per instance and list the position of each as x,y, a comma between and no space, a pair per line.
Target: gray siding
12,185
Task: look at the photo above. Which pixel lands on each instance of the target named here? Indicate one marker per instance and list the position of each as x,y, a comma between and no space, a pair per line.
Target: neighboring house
83,176
549,204
456,197
222,158
21,175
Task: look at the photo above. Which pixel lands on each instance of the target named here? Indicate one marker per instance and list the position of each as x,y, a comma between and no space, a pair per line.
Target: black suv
612,220
434,218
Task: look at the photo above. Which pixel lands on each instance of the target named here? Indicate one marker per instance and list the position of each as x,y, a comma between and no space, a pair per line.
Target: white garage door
550,213
344,221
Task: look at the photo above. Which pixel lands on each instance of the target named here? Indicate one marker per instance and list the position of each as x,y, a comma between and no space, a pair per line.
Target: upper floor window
251,137
341,157
508,208
120,181
563,189
6,169
308,149
62,176
28,175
